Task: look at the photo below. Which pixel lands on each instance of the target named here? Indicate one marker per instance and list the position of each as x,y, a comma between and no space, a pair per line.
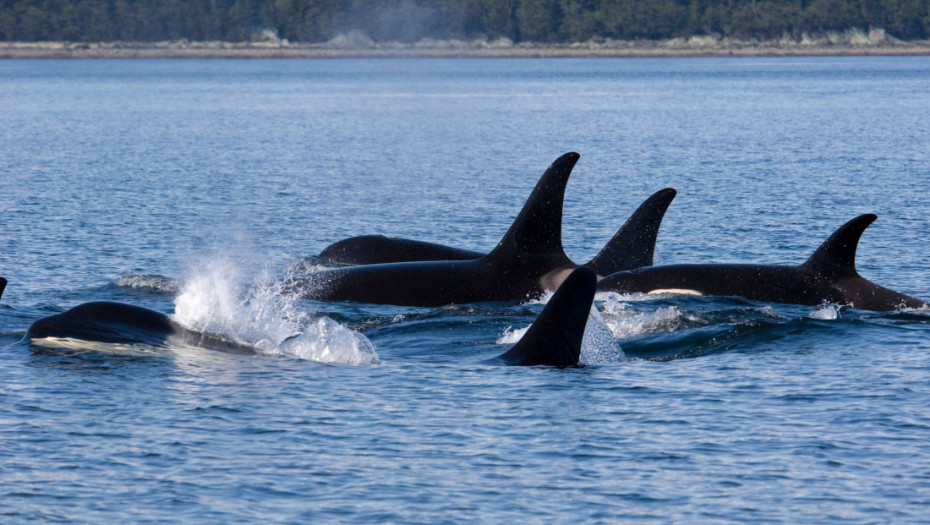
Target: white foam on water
826,312
923,309
633,297
213,300
326,341
301,266
512,335
625,321
142,281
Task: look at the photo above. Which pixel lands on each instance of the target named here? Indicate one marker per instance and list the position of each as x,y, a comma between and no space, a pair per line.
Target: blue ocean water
192,186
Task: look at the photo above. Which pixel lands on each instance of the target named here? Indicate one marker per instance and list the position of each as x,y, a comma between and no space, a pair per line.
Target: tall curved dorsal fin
2,285
633,246
554,339
538,227
836,257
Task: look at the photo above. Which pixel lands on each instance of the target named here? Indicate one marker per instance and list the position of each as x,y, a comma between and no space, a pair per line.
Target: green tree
411,20
538,20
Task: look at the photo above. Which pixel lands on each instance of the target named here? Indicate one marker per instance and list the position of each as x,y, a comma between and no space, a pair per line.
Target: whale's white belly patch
675,291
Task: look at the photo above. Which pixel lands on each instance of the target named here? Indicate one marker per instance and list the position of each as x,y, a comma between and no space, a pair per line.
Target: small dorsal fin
836,257
554,339
633,246
2,285
538,227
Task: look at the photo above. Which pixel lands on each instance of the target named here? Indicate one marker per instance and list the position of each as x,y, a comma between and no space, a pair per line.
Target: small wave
152,282
263,317
769,311
826,312
306,265
512,335
925,309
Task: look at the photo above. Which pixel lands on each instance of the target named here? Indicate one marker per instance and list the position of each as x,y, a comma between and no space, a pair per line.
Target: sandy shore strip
358,46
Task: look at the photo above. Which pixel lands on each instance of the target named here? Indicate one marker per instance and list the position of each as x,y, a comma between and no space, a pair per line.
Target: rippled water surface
191,187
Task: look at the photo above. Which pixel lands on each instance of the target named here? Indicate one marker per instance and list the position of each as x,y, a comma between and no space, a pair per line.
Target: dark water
191,186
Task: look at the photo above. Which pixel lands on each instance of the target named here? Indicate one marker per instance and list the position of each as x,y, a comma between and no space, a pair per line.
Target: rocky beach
356,44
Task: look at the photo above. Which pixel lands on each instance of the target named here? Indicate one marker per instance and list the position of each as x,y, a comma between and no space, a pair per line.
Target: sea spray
214,300
826,312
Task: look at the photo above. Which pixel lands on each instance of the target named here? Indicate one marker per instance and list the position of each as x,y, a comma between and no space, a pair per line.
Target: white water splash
624,321
826,312
634,297
512,335
542,299
308,265
327,341
213,300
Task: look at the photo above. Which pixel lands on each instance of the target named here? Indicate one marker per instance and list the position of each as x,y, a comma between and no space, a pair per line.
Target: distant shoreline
693,47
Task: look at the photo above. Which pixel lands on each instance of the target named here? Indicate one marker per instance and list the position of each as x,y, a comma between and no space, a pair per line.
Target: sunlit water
191,187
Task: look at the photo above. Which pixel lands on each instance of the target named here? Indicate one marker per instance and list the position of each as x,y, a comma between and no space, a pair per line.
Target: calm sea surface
191,187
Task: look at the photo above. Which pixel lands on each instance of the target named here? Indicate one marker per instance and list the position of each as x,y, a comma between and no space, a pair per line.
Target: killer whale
633,246
829,275
119,323
2,286
554,338
528,260
379,249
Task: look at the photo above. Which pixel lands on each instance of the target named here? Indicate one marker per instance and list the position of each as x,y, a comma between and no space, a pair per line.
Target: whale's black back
529,251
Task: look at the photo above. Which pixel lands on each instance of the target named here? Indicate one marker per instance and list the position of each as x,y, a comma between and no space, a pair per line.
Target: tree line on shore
547,21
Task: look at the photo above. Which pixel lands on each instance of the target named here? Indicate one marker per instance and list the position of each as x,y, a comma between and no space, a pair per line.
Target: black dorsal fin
634,244
555,337
836,257
538,227
2,285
